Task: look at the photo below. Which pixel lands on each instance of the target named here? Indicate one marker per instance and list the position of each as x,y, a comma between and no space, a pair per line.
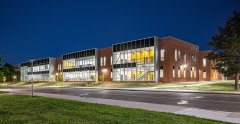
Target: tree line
8,72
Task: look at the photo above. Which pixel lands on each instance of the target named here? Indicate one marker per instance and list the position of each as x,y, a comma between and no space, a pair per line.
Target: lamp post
31,60
14,78
4,79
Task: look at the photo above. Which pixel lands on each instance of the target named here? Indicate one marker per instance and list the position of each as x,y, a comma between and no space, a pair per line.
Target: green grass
2,92
37,110
85,84
221,86
216,86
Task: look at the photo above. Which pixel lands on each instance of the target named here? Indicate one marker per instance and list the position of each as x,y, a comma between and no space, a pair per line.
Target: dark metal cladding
147,42
79,54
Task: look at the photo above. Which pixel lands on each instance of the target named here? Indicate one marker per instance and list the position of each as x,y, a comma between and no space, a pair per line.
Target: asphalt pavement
219,102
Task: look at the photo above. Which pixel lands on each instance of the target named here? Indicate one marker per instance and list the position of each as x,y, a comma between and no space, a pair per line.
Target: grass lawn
2,92
38,110
222,86
215,86
85,84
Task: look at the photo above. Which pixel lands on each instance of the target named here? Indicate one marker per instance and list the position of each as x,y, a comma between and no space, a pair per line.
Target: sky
48,28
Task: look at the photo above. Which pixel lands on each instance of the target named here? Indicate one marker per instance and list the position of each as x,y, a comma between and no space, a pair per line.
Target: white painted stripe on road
83,94
182,102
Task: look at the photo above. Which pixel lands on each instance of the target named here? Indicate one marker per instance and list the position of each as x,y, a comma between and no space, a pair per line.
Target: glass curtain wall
134,61
24,68
79,66
40,70
24,76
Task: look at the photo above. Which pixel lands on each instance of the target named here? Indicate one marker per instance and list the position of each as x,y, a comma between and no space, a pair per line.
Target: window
162,54
175,54
179,72
191,73
111,60
204,62
161,72
204,74
173,71
178,55
59,67
185,57
101,61
104,61
193,58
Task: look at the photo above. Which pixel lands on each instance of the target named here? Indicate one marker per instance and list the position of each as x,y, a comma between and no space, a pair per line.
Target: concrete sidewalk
202,113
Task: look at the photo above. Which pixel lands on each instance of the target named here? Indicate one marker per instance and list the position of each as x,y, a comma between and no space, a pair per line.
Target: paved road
221,102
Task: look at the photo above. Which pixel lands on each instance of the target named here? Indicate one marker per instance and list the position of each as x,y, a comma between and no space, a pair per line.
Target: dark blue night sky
39,28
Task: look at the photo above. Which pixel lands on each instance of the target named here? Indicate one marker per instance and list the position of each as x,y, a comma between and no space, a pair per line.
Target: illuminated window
162,54
204,62
175,54
111,60
173,71
178,55
191,73
104,61
161,72
185,57
101,61
193,58
179,72
204,74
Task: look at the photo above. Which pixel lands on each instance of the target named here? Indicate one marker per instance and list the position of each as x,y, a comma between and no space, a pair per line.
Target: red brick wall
209,71
170,44
58,61
107,74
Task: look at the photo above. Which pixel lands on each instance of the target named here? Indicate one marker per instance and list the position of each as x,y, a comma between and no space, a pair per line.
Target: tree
226,52
4,71
11,73
0,60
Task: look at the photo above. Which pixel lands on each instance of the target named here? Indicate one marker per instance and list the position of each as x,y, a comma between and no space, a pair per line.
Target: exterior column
156,62
96,64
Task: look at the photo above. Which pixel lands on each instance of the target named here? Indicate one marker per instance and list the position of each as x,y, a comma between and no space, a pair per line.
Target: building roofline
135,40
79,51
178,39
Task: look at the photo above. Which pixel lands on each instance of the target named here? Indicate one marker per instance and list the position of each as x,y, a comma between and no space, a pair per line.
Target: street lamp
104,70
31,60
4,79
14,78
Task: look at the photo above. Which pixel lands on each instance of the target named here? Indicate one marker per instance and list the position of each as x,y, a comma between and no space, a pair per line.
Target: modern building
38,70
80,66
152,59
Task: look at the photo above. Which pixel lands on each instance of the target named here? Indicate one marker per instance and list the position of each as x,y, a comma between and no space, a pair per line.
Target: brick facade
106,69
177,61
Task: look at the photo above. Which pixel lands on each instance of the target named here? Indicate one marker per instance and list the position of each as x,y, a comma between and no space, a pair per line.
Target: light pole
4,79
31,60
14,78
